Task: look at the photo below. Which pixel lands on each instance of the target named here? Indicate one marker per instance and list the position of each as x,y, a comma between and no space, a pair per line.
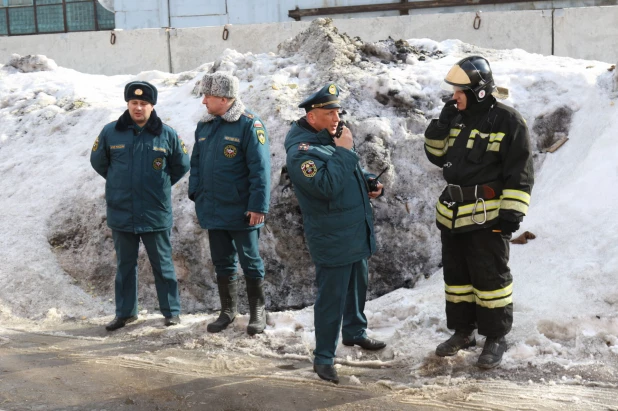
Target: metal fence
20,17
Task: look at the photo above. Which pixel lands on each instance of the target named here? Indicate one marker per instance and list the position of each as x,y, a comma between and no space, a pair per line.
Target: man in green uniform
141,159
333,193
230,184
483,148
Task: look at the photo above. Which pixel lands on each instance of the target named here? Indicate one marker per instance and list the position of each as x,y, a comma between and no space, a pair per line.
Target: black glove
448,113
508,227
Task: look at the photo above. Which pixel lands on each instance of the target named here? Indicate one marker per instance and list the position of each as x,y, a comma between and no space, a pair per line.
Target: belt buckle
455,192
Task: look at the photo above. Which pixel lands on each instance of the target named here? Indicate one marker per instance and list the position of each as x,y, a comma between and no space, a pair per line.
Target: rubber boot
228,294
458,341
257,311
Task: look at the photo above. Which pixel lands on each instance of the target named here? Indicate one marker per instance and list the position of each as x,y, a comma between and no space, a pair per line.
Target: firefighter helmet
471,73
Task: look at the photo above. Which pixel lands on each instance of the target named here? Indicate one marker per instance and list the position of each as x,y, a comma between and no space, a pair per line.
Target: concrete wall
588,33
92,51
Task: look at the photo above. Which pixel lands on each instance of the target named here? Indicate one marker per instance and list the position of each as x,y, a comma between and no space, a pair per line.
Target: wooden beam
297,13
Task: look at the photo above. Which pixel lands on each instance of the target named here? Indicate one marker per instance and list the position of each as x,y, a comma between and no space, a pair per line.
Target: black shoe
458,341
120,322
326,372
174,320
492,352
366,343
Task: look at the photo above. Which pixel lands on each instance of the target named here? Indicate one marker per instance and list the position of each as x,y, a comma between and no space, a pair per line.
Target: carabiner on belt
476,204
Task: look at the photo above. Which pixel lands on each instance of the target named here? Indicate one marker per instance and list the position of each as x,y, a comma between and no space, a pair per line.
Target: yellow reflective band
470,144
444,221
436,152
514,205
516,195
470,298
465,221
454,132
436,143
489,205
444,210
500,293
451,141
495,137
458,289
502,302
493,147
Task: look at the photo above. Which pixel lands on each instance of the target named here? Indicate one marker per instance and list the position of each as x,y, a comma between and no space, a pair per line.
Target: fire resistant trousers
159,249
342,292
478,282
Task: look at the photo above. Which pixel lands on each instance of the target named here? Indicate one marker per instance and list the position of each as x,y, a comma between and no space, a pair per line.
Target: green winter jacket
140,168
332,192
230,169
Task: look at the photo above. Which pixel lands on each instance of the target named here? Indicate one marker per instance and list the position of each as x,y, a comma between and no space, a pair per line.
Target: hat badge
332,89
138,92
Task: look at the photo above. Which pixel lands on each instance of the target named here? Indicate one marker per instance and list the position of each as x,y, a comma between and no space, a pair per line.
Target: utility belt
460,194
454,194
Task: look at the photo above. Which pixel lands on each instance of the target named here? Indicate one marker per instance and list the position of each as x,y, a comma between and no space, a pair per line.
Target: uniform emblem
182,145
308,168
258,124
230,151
261,136
138,92
95,146
481,93
157,164
332,89
303,146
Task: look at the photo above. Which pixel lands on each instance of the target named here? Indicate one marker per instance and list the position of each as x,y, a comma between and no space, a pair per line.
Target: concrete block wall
587,33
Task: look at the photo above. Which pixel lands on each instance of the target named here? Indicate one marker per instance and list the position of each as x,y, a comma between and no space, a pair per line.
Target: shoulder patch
182,145
304,146
257,124
261,135
95,146
309,169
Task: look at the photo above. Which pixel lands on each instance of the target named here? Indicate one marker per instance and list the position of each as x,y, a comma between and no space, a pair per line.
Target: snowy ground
566,280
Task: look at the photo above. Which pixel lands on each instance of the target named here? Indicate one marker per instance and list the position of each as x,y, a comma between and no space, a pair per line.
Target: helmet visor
449,87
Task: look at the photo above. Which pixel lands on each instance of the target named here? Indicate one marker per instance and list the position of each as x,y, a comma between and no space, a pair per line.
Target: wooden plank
557,144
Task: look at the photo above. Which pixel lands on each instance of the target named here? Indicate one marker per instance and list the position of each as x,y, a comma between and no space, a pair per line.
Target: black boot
492,352
229,304
458,341
119,322
326,372
257,312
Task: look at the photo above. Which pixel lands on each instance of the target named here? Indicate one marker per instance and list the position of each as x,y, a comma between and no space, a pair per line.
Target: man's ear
310,117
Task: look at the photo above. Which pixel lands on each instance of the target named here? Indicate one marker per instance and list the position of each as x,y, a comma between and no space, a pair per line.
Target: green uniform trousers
342,292
227,245
159,249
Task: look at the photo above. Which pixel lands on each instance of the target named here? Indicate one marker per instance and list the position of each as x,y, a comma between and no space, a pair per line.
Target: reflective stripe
444,210
502,302
502,292
436,152
458,289
516,195
460,298
489,205
444,221
467,220
454,132
493,147
436,143
514,205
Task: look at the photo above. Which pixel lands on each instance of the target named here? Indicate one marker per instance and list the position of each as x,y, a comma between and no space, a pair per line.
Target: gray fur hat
220,85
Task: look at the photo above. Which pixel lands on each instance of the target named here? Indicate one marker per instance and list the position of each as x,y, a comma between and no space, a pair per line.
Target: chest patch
303,146
309,169
117,147
95,146
157,164
234,139
230,151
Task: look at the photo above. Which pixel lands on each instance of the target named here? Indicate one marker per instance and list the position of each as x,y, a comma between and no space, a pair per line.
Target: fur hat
140,90
220,85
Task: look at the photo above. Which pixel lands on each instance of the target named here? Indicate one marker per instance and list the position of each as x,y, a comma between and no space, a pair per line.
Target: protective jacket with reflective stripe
488,143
